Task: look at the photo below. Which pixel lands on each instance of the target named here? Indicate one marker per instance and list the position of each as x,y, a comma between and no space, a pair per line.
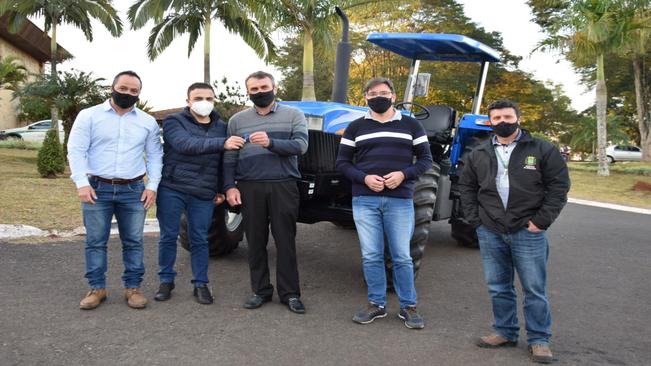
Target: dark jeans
123,201
275,203
170,204
526,253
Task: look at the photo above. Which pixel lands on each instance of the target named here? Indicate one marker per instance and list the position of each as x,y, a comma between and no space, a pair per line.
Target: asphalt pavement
599,271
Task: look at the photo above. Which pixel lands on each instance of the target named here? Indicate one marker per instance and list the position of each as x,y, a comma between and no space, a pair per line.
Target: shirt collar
106,106
274,107
517,138
397,116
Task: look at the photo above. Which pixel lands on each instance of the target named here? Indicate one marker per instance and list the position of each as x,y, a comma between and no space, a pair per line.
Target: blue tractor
326,194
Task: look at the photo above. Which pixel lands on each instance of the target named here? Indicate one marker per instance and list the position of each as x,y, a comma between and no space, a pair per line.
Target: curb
610,206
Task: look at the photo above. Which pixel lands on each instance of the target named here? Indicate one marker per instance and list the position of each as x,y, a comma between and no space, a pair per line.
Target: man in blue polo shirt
105,150
376,154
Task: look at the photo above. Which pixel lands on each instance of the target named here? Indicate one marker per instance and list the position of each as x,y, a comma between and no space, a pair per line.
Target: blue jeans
375,217
123,201
170,205
526,253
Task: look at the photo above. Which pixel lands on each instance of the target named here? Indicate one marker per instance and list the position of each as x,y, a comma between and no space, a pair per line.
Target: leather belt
117,181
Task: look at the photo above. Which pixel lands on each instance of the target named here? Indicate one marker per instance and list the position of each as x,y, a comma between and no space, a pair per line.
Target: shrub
50,159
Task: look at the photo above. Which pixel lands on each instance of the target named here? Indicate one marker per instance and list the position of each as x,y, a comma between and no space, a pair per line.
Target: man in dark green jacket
512,189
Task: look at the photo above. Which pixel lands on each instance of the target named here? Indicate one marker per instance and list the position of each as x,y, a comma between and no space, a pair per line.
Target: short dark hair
260,75
129,73
200,86
504,103
377,81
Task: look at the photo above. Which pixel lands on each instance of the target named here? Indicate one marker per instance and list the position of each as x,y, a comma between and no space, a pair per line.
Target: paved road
600,267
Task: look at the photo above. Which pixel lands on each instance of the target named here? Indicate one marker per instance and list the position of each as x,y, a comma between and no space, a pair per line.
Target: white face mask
202,108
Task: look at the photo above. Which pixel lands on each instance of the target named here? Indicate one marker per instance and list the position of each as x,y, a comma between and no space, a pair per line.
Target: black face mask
504,129
263,99
379,104
124,101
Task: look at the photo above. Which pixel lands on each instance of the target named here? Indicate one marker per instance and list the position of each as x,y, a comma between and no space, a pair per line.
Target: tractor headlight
315,123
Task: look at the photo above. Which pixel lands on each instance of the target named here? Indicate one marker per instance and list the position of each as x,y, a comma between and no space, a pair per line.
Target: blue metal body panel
335,115
435,47
468,126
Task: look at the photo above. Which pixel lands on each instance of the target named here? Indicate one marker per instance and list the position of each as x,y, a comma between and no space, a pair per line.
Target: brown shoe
135,298
495,341
541,353
93,298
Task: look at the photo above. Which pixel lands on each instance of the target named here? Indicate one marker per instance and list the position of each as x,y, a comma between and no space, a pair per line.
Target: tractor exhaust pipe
342,62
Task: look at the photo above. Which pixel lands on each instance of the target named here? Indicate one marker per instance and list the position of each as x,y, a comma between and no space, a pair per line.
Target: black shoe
256,301
164,291
412,319
369,313
203,295
295,305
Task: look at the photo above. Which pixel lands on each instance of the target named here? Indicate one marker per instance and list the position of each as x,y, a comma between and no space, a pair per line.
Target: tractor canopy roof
435,47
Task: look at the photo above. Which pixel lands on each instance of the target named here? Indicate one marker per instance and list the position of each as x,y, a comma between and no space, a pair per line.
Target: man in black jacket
512,188
194,142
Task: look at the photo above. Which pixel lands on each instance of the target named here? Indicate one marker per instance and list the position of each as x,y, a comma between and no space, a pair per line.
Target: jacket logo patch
530,163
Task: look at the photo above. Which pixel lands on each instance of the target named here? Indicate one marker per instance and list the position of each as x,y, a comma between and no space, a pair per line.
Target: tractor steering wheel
421,111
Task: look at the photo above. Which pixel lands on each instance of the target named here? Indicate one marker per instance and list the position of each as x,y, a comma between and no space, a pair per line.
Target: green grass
624,167
26,198
19,144
616,188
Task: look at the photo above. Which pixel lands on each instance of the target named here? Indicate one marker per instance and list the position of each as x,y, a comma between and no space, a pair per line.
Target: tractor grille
321,154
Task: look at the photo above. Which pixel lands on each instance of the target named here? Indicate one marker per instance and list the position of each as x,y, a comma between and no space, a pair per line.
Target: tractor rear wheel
225,234
424,199
461,231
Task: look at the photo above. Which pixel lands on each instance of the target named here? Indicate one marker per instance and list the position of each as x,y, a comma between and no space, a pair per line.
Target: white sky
165,80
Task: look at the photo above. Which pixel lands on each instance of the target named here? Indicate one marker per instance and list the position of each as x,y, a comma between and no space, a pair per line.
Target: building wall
9,108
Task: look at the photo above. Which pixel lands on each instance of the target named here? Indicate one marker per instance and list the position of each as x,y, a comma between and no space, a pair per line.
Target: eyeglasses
384,93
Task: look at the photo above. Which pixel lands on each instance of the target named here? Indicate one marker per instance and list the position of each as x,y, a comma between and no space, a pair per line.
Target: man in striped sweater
377,155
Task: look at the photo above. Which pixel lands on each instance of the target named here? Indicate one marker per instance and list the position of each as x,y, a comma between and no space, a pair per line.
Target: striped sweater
372,147
287,131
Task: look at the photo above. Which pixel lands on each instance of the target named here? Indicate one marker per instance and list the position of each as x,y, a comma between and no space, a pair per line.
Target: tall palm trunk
602,98
642,108
206,50
308,67
54,111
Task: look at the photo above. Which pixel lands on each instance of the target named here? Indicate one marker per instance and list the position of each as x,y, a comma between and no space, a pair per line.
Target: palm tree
314,20
11,73
78,13
176,17
587,30
637,18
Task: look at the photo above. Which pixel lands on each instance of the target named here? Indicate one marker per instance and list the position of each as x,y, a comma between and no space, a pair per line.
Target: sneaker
370,313
541,353
412,319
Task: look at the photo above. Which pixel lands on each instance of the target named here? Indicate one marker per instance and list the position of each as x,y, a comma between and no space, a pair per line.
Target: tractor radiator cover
321,154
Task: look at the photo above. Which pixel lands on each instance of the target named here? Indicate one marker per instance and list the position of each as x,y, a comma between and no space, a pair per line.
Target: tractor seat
441,118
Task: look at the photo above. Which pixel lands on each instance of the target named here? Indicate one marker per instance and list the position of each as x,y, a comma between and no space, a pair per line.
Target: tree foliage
70,92
545,108
51,159
78,13
174,18
12,74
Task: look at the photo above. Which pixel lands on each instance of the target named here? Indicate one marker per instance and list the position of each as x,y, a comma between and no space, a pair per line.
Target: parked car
623,153
34,132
